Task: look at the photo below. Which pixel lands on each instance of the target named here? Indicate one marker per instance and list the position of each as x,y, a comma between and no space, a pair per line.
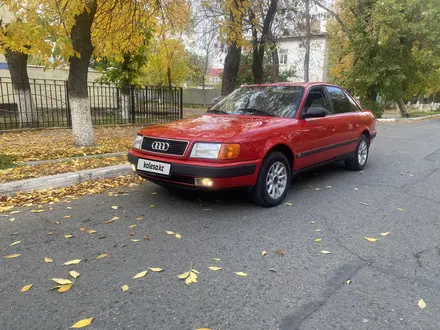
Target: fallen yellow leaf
193,277
385,234
48,260
135,240
356,188
325,252
141,274
312,222
317,189
124,287
82,228
348,281
12,256
152,205
216,259
366,204
241,274
328,186
102,256
114,207
15,243
195,271
203,329
288,204
178,235
132,226
72,262
170,232
263,253
61,281
280,252
317,240
12,219
83,323
399,209
214,268
64,288
26,288
68,236
115,218
91,231
421,304
67,216
156,269
140,218
184,275
37,211
371,239
74,273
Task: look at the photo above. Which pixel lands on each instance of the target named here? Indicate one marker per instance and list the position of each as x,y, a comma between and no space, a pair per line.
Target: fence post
181,102
69,115
132,105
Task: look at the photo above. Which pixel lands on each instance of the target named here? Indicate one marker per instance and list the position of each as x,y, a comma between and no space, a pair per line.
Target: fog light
133,167
207,182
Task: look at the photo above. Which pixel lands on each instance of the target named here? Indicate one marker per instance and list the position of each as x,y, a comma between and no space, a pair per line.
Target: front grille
176,147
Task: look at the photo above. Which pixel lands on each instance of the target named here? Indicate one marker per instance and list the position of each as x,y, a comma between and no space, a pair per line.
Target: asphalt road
307,291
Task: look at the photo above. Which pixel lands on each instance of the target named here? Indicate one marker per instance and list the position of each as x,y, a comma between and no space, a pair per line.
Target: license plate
154,167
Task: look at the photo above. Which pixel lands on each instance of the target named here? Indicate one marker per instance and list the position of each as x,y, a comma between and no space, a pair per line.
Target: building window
283,56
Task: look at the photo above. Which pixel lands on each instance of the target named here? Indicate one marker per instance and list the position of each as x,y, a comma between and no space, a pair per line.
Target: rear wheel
358,162
273,180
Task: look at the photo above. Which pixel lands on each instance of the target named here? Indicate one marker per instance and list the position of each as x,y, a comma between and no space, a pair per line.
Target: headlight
137,142
205,150
215,151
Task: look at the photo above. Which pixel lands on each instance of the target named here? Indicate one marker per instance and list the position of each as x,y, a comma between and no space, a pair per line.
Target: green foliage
6,161
386,47
197,65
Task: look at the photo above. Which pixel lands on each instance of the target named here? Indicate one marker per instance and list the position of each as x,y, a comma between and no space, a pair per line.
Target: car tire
358,162
273,180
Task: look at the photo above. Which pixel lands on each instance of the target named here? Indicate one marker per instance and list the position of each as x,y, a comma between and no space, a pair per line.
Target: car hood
210,128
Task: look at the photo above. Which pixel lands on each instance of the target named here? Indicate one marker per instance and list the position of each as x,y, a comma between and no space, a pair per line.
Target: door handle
334,129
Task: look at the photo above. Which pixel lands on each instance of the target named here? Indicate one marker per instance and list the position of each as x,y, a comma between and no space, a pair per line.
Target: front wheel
357,163
273,180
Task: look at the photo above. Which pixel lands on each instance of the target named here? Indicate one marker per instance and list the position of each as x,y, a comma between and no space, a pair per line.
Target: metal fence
45,103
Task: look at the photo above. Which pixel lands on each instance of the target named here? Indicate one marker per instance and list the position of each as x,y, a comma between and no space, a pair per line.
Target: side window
317,98
354,106
341,104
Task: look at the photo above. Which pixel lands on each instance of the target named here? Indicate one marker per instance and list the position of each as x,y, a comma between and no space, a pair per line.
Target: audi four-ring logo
160,146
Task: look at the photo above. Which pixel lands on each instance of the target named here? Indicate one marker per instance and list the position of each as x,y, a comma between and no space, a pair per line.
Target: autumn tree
388,48
19,39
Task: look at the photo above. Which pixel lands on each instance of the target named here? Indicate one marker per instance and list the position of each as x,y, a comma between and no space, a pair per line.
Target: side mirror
314,112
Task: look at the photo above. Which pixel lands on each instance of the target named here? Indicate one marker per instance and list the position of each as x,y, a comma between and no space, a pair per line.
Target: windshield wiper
256,111
218,112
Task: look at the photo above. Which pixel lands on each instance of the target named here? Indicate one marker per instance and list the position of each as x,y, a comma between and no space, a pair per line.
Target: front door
318,135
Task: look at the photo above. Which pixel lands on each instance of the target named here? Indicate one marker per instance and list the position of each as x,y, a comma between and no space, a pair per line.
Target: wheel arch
285,149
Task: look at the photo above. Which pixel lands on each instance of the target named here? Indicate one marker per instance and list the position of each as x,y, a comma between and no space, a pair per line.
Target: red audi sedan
257,137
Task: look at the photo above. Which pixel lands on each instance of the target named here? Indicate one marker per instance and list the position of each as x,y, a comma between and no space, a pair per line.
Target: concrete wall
295,58
198,97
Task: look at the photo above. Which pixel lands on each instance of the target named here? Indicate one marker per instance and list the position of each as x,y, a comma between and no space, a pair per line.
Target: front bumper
184,172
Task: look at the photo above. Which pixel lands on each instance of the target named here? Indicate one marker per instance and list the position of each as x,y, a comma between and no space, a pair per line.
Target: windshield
279,101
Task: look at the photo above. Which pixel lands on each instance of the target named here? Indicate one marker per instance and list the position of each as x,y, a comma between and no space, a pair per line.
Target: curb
60,160
408,120
65,179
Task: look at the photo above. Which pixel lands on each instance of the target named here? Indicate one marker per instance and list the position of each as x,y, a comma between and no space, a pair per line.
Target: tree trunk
230,69
17,64
307,52
125,101
170,83
403,111
259,46
77,81
275,65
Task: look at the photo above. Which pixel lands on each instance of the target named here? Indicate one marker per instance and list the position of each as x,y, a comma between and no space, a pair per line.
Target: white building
291,56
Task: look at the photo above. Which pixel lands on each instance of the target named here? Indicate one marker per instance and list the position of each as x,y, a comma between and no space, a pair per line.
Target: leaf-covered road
250,268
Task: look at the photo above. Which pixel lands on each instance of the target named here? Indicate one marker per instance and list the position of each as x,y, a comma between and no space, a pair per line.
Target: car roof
299,84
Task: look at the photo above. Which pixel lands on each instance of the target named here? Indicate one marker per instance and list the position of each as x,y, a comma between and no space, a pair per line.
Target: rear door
317,135
346,115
